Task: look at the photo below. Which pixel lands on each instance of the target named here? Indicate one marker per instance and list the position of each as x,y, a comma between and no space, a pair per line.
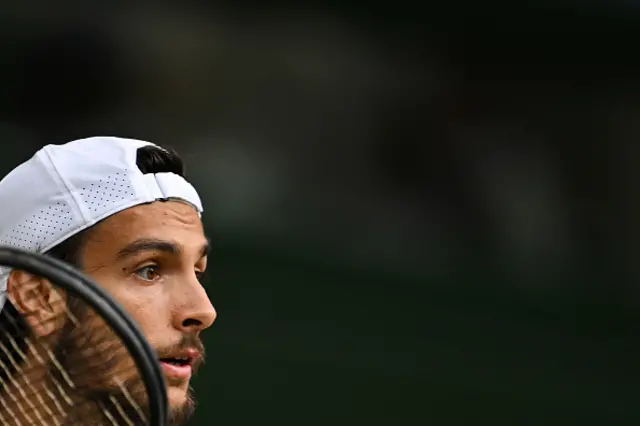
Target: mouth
180,365
177,361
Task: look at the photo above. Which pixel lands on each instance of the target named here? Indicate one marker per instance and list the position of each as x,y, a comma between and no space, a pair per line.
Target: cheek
148,306
144,311
149,310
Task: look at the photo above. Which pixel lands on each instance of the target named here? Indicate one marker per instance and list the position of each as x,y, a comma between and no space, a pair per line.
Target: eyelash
139,271
156,269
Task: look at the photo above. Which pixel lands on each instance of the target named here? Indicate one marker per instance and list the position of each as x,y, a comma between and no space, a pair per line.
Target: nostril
191,322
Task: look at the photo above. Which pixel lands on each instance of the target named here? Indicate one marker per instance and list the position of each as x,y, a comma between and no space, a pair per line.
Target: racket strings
25,396
61,390
29,385
23,399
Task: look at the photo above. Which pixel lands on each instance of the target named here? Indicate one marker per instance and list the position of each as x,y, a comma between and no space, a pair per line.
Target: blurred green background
421,214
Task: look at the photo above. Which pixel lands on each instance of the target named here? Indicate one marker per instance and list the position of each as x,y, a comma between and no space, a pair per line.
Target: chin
181,405
177,395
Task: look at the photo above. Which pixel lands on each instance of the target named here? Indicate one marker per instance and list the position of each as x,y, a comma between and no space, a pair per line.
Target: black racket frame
75,282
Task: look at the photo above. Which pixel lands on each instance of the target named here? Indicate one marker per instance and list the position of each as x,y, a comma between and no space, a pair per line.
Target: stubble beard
101,377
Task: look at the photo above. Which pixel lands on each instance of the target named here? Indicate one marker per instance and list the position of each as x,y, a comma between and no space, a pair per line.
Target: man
121,211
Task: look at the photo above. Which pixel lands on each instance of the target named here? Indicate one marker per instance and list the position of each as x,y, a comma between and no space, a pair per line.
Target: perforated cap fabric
64,189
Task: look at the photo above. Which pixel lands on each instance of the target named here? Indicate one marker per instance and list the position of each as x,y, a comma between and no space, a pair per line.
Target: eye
149,273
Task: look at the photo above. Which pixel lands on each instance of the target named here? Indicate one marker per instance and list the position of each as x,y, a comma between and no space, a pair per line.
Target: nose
195,311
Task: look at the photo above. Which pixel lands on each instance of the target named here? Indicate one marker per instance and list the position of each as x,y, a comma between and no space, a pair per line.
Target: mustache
187,342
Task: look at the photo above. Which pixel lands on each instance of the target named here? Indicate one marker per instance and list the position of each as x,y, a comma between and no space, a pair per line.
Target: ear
35,298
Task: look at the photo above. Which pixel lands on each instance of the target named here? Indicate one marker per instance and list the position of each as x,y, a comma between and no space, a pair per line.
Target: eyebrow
145,245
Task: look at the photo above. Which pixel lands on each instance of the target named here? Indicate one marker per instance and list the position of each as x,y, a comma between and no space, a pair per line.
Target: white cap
65,189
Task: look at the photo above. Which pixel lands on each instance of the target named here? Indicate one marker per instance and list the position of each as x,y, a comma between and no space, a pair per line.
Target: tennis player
122,212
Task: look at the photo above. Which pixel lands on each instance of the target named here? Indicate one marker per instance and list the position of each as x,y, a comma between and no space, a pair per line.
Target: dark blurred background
421,214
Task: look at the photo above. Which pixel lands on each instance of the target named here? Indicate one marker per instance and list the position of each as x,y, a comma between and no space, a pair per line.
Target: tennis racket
91,365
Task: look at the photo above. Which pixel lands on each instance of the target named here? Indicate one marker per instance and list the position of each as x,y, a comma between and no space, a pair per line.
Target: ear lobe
37,301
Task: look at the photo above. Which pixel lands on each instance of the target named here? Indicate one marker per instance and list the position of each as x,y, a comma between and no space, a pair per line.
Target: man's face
150,258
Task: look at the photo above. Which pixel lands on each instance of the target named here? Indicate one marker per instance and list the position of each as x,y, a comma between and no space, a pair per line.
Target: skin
150,259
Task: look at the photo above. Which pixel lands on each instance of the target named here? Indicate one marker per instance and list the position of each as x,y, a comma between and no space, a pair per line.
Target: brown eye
149,273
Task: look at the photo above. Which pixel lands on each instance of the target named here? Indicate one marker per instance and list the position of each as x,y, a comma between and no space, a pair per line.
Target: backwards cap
65,189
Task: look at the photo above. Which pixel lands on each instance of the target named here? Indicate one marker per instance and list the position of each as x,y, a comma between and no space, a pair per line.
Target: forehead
161,220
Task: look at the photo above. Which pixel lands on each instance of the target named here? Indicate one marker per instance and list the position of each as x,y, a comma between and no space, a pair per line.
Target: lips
177,360
180,364
176,371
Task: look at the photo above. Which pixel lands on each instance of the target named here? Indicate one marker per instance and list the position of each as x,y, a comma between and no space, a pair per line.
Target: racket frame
70,279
